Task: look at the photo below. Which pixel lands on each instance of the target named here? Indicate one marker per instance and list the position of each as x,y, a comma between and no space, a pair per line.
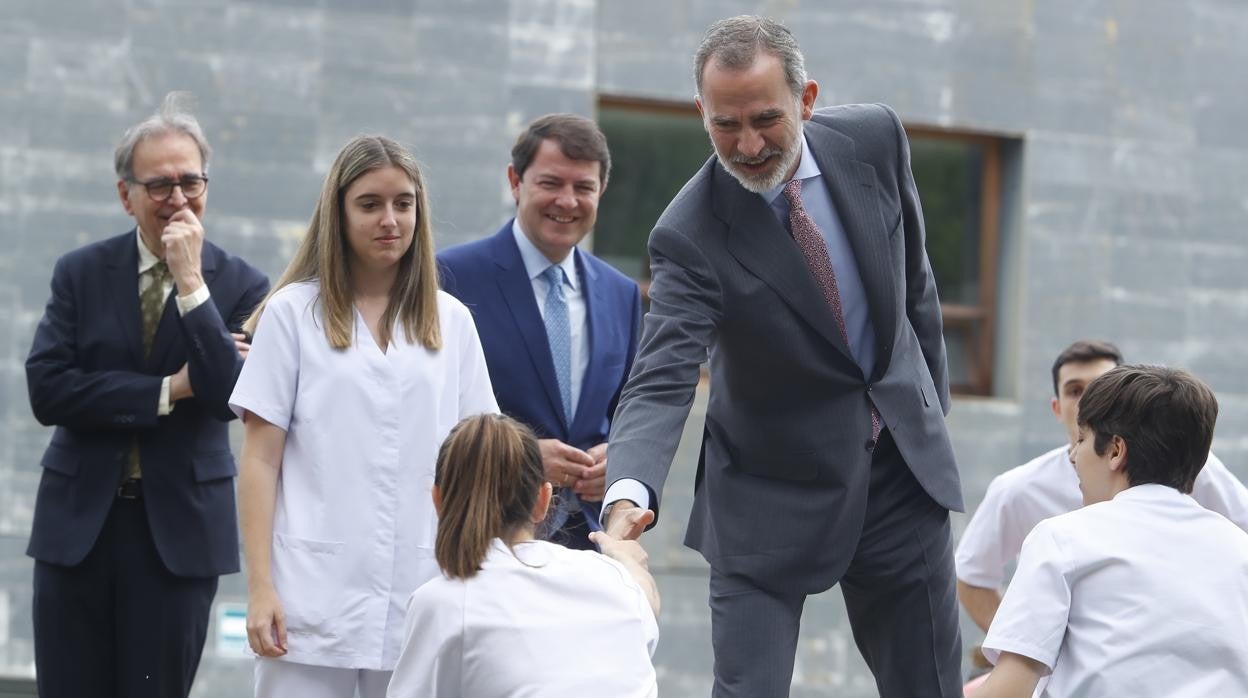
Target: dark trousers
119,625
899,594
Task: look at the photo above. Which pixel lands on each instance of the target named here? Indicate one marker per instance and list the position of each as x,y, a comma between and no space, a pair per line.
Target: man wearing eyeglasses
133,363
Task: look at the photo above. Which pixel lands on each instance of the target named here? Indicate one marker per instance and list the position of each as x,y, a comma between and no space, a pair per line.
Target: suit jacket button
870,445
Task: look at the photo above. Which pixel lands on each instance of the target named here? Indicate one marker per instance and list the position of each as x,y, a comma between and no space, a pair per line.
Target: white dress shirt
185,303
353,524
535,263
1046,486
518,629
1141,596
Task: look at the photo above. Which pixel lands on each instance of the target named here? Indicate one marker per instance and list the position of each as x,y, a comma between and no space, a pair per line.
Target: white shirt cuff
626,488
163,407
193,300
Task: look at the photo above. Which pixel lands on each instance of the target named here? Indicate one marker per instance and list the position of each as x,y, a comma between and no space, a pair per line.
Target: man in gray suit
794,259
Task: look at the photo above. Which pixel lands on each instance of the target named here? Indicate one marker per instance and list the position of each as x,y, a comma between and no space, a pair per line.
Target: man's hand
241,343
180,384
183,240
593,483
564,464
626,521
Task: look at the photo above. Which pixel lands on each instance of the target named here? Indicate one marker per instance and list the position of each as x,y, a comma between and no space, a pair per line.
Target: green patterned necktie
151,306
152,303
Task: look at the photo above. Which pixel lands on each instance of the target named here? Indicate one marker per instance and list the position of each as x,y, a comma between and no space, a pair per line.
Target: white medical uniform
555,622
1022,497
353,527
1143,595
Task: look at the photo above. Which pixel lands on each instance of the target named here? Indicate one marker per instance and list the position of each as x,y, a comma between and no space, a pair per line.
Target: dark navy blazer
87,377
489,277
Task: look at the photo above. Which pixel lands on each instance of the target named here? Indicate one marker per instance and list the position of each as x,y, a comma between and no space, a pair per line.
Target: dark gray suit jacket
782,481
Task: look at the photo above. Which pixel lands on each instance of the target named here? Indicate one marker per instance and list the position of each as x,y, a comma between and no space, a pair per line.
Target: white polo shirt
542,621
1143,595
1044,487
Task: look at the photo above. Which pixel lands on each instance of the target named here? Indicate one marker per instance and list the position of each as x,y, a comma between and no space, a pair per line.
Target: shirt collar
147,260
1150,492
535,262
806,169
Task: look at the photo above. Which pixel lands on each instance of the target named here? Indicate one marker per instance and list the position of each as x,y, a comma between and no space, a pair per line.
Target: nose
388,218
566,198
176,197
750,143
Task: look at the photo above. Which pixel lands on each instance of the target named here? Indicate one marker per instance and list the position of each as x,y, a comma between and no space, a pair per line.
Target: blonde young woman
498,623
359,368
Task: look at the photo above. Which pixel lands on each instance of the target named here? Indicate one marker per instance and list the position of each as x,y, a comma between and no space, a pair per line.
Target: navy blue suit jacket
87,377
489,277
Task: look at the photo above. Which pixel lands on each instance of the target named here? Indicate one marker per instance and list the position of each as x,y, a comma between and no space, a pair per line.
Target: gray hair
735,42
176,115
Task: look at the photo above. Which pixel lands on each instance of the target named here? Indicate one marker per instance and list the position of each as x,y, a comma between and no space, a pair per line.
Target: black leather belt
130,489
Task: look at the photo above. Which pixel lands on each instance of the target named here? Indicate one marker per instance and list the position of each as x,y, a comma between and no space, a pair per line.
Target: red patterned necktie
815,250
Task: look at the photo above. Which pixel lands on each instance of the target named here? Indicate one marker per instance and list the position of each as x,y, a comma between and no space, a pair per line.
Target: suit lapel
852,186
123,288
762,245
517,290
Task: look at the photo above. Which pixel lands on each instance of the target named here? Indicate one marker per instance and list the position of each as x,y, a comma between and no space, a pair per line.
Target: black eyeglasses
159,189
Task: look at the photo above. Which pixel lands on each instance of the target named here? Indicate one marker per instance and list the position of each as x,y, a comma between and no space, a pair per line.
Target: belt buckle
130,489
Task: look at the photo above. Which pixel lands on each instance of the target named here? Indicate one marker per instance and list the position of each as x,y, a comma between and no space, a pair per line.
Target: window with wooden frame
657,146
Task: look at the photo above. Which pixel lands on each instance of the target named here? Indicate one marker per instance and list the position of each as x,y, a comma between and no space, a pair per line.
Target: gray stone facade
1126,214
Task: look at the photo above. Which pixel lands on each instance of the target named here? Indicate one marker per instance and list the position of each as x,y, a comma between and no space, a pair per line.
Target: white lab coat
542,621
353,527
1143,595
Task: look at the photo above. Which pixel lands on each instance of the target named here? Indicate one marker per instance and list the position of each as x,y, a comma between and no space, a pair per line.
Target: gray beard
761,183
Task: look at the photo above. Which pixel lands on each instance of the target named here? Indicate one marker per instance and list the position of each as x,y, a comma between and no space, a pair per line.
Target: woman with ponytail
507,617
359,368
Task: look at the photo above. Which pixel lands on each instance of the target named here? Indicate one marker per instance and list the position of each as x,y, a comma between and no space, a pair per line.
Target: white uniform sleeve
431,662
266,386
1033,615
476,394
992,539
1217,489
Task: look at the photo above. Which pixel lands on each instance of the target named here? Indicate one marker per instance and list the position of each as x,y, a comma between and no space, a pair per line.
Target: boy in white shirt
1142,592
1046,486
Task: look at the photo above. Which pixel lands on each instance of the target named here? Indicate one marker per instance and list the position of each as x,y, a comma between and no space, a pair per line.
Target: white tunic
1143,595
556,622
353,527
1022,497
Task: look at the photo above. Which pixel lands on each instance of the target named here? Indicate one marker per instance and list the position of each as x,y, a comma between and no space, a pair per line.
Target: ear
543,503
1117,454
809,93
123,191
513,178
697,101
1056,407
436,493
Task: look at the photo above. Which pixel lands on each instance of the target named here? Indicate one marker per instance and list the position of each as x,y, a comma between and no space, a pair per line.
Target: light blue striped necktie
559,334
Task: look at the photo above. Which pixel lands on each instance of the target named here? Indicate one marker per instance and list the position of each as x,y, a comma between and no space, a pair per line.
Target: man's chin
757,182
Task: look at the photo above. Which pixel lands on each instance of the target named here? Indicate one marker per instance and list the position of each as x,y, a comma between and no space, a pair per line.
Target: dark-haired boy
1046,486
1142,592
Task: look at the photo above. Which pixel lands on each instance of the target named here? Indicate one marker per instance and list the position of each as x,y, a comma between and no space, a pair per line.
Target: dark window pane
948,174
653,154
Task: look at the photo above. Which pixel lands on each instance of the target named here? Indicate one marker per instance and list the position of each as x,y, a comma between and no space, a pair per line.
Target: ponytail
489,473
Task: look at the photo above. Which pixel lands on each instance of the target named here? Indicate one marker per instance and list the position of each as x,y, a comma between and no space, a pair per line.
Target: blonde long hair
322,255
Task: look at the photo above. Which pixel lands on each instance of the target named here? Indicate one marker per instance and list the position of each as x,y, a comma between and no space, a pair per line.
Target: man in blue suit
133,363
558,325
